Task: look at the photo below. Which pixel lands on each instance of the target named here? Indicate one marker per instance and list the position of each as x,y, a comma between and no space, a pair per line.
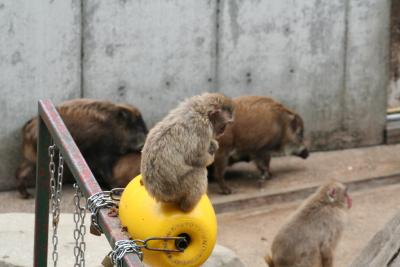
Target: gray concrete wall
394,85
149,53
367,71
290,50
327,59
39,58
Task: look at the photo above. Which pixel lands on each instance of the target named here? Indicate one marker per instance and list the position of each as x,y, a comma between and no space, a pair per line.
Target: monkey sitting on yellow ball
179,148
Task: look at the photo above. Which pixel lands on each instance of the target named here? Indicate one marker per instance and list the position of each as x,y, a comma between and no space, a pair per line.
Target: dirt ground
250,232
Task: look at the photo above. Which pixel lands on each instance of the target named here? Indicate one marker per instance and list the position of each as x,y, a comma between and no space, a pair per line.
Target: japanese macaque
180,147
103,131
311,235
262,126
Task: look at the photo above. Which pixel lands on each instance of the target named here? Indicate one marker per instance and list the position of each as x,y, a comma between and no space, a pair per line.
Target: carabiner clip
116,193
178,240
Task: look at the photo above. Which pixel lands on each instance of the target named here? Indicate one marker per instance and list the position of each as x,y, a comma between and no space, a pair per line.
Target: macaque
311,235
179,148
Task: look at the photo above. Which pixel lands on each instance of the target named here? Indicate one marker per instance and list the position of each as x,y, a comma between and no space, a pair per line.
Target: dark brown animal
311,235
262,126
103,131
125,169
178,149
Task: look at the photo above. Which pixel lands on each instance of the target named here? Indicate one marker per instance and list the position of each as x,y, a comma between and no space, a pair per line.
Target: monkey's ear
331,194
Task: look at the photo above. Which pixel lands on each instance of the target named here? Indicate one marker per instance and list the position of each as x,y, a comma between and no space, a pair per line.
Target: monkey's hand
211,151
197,151
213,147
210,159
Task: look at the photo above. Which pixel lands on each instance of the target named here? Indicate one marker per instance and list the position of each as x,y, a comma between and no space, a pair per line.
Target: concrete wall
149,53
367,71
327,59
293,51
394,85
39,58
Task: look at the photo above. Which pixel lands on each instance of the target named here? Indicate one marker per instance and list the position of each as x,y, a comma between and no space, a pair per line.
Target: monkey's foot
187,206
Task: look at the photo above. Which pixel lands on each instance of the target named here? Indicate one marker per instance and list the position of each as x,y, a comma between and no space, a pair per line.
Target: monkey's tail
268,259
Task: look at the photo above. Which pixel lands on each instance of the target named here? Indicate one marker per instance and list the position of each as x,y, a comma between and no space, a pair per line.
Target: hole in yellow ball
182,244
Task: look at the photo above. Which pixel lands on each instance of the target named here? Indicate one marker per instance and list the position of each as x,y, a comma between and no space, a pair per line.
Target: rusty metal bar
42,197
83,175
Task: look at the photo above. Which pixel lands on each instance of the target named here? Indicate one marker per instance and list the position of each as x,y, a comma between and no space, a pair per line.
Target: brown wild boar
103,131
261,126
125,169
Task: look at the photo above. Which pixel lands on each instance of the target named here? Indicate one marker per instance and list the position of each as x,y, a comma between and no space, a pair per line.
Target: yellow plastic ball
145,218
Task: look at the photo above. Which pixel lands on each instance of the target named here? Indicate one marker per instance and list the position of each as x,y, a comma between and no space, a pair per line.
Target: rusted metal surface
42,197
83,176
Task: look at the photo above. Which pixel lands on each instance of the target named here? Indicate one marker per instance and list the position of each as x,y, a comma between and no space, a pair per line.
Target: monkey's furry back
166,155
316,226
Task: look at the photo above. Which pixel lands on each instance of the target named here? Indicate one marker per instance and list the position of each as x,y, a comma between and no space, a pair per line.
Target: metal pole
42,196
82,174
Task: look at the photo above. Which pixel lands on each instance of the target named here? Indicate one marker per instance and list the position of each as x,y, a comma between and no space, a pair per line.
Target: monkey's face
338,195
349,200
220,118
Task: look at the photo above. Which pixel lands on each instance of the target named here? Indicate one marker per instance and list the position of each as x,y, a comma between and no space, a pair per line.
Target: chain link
80,228
121,248
100,200
55,190
135,246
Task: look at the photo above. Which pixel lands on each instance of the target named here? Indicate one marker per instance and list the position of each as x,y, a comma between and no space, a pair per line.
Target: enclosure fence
54,148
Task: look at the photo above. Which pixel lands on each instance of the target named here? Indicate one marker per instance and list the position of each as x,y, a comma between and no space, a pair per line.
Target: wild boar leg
262,161
24,174
220,163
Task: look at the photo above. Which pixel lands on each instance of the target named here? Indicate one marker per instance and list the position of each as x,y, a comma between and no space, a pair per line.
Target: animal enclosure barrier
54,141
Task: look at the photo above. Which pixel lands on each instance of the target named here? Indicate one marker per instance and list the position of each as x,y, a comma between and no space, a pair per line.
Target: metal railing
52,127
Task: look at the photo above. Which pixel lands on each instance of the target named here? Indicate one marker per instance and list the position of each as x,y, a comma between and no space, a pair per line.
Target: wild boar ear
124,114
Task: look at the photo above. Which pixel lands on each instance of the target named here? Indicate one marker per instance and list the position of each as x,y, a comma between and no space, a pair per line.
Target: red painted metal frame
51,125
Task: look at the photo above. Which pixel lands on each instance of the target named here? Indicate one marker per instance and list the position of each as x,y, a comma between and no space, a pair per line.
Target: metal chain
135,246
52,168
121,248
55,190
80,228
102,199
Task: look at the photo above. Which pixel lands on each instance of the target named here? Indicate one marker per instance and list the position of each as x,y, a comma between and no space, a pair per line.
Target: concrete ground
245,229
251,232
